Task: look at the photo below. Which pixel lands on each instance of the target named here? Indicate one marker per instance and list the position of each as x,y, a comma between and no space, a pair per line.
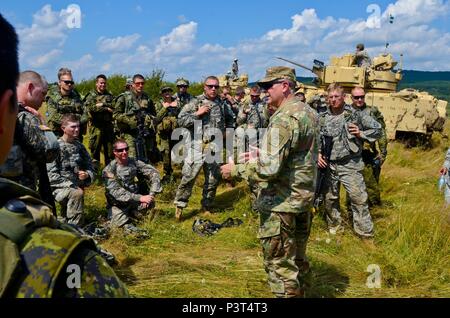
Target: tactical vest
33,250
103,117
132,106
64,105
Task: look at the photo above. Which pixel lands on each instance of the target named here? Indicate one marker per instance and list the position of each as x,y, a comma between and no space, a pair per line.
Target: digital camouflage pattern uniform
126,106
345,166
166,122
36,147
63,174
58,105
287,170
37,251
122,189
219,118
362,59
183,99
371,154
101,129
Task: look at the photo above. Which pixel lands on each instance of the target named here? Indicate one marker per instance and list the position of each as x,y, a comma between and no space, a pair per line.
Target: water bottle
441,182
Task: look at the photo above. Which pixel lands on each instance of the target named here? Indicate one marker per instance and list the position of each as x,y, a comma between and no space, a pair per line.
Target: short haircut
211,78
255,90
9,64
103,76
119,141
335,87
64,71
358,88
240,90
33,77
66,118
138,76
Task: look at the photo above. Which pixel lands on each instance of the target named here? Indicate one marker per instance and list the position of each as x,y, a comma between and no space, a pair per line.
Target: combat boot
178,213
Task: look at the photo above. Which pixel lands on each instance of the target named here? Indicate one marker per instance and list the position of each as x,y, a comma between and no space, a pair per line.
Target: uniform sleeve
115,189
230,117
87,165
152,176
53,116
370,129
275,149
120,116
241,117
57,181
161,112
32,138
187,116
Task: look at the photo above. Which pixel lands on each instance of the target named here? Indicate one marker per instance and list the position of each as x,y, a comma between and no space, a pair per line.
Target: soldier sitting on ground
125,179
71,172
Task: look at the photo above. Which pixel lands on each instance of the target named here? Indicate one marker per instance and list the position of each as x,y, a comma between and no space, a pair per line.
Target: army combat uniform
58,105
39,253
166,122
68,189
345,166
287,168
126,107
101,129
122,189
218,118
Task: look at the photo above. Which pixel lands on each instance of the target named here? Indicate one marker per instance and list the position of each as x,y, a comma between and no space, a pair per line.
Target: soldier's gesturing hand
321,162
354,130
146,199
202,110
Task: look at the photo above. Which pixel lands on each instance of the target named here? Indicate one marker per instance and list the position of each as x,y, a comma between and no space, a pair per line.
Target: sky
195,39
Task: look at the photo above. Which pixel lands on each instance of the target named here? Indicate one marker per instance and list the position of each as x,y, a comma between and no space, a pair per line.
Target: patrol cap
182,82
166,88
277,73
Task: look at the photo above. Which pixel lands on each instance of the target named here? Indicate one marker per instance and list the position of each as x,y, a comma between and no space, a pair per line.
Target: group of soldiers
346,143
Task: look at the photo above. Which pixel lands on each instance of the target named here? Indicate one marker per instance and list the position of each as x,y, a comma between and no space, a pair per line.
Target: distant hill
421,76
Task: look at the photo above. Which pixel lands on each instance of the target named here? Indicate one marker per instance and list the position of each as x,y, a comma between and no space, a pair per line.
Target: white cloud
44,60
180,40
118,44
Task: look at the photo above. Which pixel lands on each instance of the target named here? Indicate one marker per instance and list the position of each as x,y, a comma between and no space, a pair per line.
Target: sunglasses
212,86
69,82
121,150
181,86
267,86
359,97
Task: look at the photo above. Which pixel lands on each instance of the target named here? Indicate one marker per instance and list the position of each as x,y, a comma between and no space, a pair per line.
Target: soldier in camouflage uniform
99,105
167,111
209,111
36,249
374,153
64,99
71,172
127,105
348,128
288,153
182,96
122,189
361,57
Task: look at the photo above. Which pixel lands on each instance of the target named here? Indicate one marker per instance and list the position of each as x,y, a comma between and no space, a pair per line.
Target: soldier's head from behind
211,87
335,97
255,94
65,81
70,125
9,73
31,89
358,96
182,85
279,83
120,151
138,84
100,83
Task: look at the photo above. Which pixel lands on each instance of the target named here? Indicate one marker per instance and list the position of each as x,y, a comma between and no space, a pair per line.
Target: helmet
181,81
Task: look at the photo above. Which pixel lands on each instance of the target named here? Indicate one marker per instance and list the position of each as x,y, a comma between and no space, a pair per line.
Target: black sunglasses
69,82
212,86
182,86
121,150
268,85
359,97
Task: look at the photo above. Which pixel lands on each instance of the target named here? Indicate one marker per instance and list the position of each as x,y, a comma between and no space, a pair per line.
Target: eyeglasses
267,86
359,97
68,82
139,83
212,86
121,150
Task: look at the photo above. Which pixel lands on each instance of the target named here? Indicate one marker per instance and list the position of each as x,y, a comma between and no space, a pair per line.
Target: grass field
411,245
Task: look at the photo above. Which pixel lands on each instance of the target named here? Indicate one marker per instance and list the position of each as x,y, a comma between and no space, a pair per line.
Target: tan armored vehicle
405,112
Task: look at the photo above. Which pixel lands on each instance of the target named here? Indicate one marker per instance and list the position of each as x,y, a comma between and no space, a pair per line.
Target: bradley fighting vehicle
406,112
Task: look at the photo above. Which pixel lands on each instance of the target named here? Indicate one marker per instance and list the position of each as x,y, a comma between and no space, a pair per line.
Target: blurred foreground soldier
361,57
64,99
374,153
289,152
36,249
211,116
348,128
34,143
122,178
182,96
134,113
99,105
167,111
71,172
